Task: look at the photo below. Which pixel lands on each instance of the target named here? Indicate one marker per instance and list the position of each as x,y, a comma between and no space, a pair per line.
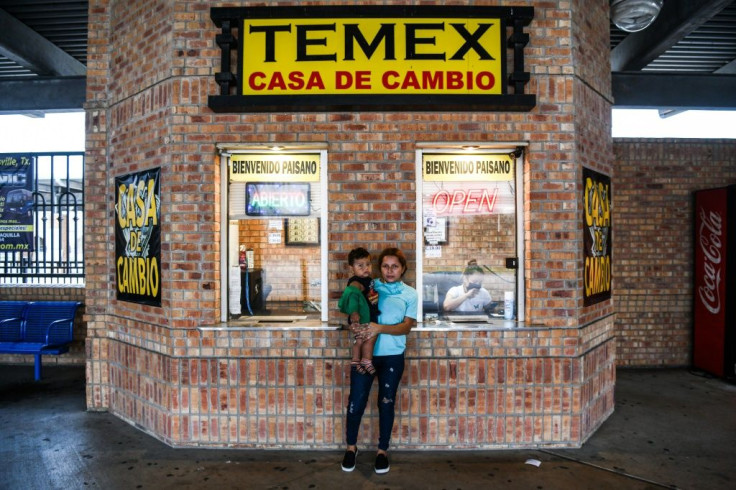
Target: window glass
468,220
275,245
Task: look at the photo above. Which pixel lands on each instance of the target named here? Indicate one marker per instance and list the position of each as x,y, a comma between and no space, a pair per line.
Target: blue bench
36,327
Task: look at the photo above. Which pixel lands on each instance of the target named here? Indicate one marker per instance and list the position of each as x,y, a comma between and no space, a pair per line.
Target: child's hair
357,253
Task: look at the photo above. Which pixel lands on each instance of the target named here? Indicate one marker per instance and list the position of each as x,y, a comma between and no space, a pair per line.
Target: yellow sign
468,168
597,273
274,168
292,56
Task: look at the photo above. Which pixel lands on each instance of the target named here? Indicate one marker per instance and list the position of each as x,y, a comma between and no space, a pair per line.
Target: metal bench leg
37,368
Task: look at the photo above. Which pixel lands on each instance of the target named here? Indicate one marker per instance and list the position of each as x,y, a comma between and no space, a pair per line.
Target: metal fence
57,254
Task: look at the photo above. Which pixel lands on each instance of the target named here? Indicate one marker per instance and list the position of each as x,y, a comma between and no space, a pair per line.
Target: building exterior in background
221,204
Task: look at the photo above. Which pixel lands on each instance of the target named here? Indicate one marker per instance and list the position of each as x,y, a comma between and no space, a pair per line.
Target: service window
468,241
276,238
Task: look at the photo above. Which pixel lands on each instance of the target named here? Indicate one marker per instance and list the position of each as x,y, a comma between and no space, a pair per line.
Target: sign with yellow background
263,167
292,56
468,168
597,237
138,237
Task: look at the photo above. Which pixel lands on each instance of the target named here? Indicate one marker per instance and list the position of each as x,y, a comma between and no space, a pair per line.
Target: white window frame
225,152
462,149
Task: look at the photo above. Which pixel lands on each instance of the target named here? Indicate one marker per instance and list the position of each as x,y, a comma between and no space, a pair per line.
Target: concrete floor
671,429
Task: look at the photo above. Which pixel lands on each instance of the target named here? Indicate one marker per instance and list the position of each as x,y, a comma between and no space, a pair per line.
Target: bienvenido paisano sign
372,57
466,184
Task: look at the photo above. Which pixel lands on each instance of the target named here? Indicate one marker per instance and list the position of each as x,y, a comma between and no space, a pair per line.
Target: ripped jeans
389,370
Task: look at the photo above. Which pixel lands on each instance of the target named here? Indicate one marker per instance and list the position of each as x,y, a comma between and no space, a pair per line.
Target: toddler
360,302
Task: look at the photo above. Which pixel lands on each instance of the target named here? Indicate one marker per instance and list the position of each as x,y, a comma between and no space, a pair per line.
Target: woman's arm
373,329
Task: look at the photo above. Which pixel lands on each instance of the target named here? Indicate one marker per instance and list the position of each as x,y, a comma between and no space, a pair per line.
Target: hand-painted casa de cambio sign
597,237
372,57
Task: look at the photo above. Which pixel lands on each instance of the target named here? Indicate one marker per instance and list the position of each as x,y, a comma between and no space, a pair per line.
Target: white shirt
470,305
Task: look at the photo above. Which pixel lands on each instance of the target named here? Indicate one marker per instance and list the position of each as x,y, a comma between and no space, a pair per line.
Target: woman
470,296
397,303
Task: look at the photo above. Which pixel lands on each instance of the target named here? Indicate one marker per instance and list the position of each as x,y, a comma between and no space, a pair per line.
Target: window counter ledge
246,325
491,324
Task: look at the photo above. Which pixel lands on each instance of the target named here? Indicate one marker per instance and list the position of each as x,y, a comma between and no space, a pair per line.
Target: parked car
18,204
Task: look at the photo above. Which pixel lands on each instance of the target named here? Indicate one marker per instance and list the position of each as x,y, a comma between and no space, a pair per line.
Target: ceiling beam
677,19
729,68
29,49
673,90
42,94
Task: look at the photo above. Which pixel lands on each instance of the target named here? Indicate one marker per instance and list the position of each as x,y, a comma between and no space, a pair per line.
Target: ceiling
685,60
43,53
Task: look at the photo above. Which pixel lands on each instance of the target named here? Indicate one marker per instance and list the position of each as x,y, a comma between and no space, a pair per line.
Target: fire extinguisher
242,258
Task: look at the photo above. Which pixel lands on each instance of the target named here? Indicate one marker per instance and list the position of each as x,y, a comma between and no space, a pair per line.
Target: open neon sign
471,201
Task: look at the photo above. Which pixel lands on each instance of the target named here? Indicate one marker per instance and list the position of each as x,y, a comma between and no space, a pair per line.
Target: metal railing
57,252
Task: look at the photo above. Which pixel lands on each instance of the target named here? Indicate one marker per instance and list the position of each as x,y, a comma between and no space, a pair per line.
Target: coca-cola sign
710,274
710,240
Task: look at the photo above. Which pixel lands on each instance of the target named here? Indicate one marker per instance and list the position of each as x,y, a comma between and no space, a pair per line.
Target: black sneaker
348,461
381,464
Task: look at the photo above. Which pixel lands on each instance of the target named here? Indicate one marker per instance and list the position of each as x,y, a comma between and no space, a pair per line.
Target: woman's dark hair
393,252
473,268
358,253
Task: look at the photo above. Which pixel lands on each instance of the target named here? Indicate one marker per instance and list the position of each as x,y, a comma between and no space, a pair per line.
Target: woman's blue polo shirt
396,300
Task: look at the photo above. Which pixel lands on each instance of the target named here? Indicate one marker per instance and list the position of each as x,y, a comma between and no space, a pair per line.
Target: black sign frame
597,201
139,241
231,99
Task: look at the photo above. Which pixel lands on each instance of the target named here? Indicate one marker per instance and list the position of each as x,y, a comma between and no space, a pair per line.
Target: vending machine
714,292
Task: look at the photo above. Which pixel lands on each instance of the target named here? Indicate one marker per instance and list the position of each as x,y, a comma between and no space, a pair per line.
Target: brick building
186,370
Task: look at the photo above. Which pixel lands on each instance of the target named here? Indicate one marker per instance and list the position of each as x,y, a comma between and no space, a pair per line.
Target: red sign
710,274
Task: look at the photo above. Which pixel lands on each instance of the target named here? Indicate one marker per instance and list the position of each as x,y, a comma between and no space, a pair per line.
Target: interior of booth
281,278
484,241
276,264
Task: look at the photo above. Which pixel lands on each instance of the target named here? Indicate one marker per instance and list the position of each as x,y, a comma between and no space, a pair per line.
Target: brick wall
287,388
652,247
653,242
157,117
141,64
152,66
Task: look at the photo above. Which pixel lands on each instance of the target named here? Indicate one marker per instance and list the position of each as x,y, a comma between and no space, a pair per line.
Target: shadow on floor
671,429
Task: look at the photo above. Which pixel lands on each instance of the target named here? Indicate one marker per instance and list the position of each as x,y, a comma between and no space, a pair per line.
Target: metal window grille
58,225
